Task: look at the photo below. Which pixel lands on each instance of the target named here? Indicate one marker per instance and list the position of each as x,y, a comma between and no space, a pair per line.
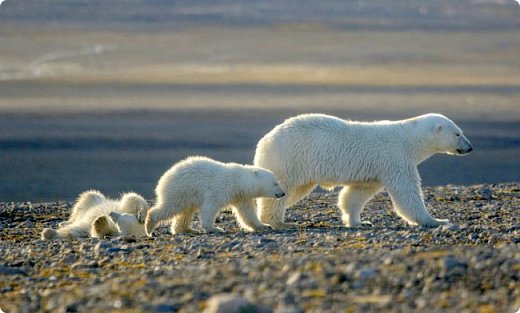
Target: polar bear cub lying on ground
200,183
95,215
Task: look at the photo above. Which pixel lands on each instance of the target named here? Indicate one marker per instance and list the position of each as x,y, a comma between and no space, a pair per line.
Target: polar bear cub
94,215
362,157
200,183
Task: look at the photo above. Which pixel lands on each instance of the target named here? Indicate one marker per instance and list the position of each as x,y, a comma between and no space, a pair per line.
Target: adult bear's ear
437,128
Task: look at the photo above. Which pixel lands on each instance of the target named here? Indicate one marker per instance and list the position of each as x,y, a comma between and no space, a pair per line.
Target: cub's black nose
470,149
280,195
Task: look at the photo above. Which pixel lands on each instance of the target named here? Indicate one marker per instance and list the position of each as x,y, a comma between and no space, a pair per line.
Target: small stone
228,303
294,279
84,265
486,193
101,246
472,236
365,273
450,227
412,236
338,279
165,308
129,239
6,270
288,309
452,266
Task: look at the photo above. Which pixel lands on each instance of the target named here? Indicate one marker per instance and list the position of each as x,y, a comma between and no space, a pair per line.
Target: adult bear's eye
458,135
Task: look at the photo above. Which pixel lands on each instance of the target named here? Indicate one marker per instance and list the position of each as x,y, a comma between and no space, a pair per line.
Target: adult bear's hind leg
351,201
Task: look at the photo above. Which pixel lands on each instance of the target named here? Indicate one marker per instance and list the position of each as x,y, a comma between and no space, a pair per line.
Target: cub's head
265,184
128,224
446,136
134,204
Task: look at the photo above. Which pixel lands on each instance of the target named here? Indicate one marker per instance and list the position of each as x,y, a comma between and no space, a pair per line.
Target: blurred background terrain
109,94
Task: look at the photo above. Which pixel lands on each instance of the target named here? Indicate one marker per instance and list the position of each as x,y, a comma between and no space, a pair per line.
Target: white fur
364,157
94,215
200,183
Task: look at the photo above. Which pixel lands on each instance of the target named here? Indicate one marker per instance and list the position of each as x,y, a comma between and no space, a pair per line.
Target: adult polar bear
316,149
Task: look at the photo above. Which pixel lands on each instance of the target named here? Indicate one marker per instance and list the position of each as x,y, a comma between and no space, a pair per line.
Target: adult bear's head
445,135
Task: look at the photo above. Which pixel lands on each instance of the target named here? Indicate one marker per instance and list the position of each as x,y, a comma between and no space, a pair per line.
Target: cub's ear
114,216
256,172
437,128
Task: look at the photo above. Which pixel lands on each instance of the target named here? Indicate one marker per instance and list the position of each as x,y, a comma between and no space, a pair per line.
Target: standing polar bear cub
316,149
94,215
200,183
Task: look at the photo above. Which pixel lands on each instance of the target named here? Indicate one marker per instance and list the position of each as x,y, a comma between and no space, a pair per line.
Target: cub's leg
245,212
208,214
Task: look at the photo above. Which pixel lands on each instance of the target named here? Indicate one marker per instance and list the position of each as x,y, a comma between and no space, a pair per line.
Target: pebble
102,245
450,227
487,193
450,266
294,279
6,270
227,303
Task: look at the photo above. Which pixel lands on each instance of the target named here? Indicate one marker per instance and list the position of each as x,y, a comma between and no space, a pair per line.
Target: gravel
471,265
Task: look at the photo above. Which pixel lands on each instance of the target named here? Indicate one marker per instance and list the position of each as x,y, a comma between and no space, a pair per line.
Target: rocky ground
470,266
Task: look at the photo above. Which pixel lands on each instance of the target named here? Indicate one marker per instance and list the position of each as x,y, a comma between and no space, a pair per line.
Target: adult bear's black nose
470,149
280,195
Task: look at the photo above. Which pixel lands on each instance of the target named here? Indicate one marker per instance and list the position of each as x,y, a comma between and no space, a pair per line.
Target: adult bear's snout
280,195
464,146
465,150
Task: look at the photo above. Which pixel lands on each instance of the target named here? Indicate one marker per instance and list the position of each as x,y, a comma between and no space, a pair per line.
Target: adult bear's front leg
406,194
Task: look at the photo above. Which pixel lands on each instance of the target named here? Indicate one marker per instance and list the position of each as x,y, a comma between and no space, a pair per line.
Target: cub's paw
101,227
49,234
